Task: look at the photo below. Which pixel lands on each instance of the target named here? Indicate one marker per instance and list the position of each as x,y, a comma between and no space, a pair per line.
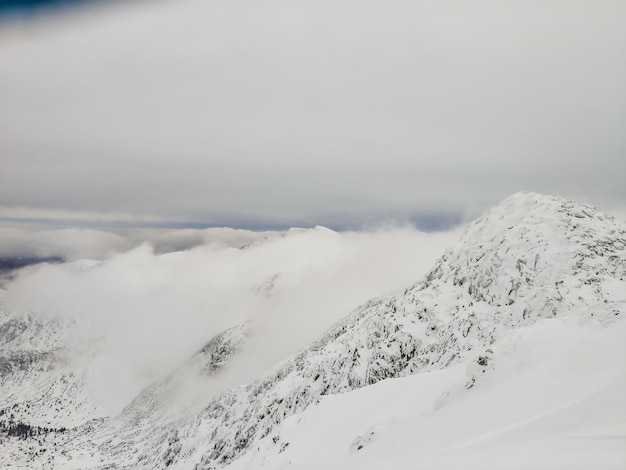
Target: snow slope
477,354
555,399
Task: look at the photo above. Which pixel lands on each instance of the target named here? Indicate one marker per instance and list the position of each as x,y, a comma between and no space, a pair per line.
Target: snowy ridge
159,398
529,258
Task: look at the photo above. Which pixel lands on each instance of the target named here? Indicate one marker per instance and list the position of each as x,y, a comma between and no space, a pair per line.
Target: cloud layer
154,311
71,244
296,112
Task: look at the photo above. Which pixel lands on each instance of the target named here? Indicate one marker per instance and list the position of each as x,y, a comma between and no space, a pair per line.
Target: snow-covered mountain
43,375
529,262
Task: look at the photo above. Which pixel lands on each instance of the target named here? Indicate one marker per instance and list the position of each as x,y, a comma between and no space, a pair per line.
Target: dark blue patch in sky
26,7
11,264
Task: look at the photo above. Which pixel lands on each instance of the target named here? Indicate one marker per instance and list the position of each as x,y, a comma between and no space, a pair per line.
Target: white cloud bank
72,244
157,310
66,243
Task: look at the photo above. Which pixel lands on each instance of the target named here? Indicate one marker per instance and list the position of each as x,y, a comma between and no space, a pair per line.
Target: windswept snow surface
508,354
554,400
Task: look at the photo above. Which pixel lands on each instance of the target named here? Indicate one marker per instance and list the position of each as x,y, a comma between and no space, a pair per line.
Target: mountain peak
526,247
535,208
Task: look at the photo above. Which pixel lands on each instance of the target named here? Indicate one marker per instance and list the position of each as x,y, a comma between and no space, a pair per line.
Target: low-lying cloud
70,244
66,243
155,310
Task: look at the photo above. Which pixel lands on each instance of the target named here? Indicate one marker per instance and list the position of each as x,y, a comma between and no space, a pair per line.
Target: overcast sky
272,113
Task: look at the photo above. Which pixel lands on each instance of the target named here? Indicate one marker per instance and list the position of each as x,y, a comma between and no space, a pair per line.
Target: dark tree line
26,431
